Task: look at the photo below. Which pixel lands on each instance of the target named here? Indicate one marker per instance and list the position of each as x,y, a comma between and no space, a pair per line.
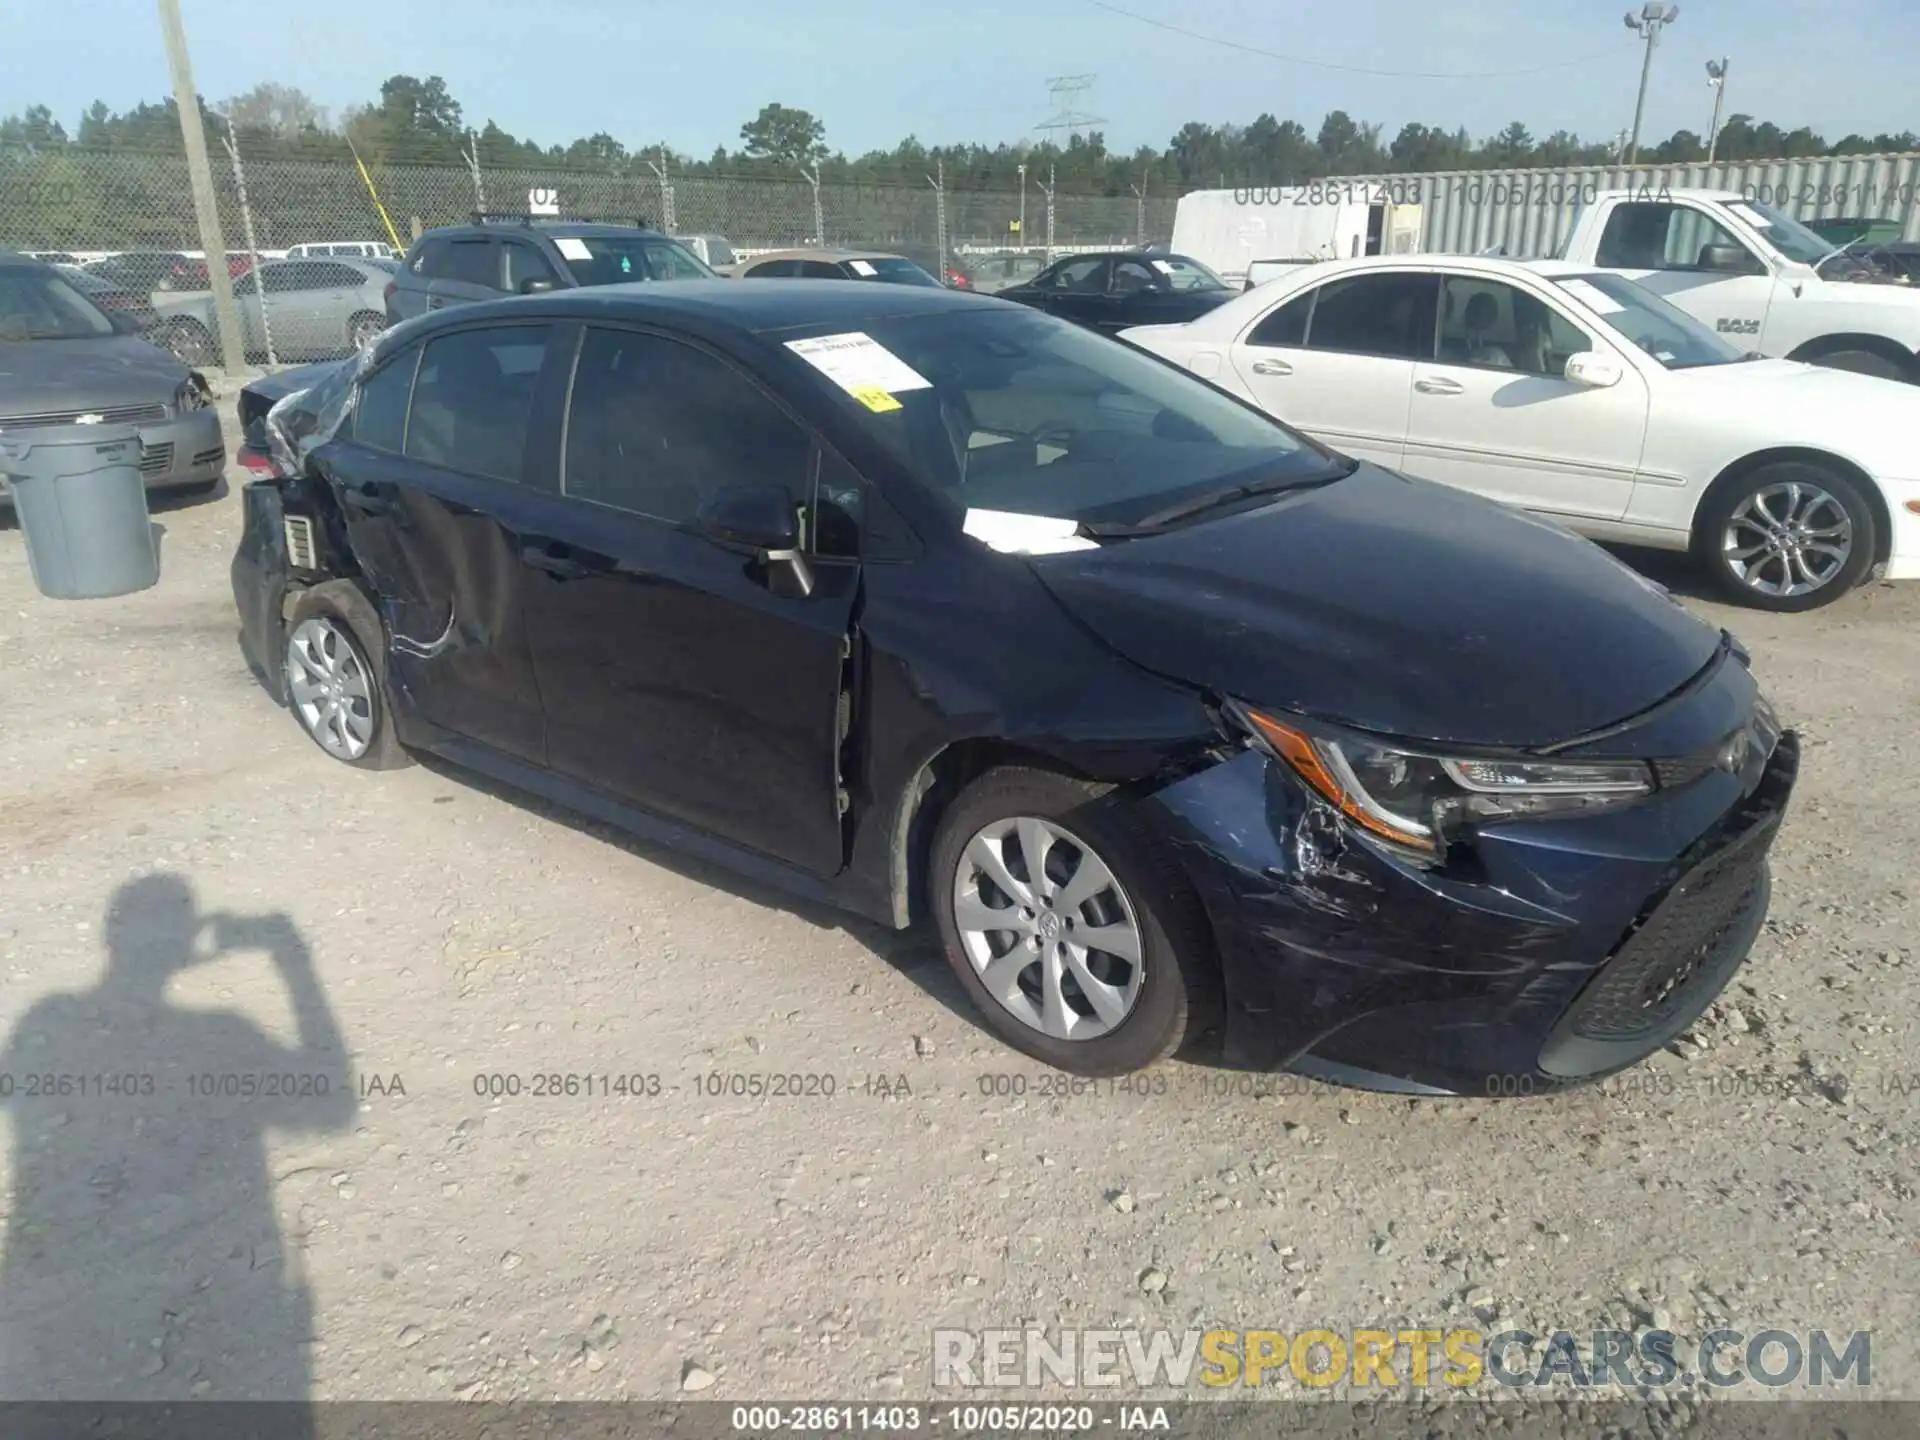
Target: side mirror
1594,370
1729,260
759,518
534,285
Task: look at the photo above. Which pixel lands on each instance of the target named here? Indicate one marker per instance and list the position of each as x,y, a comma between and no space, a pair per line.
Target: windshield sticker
1750,215
1592,296
861,267
1665,357
861,366
572,249
875,399
1013,534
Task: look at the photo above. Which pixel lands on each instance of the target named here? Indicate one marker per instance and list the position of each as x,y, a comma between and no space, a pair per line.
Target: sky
977,70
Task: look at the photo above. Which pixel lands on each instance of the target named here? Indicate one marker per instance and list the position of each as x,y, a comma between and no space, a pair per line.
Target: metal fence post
1049,190
939,183
232,141
233,349
473,168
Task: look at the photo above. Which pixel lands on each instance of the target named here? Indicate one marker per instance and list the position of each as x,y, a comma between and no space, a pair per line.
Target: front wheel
1069,926
1790,536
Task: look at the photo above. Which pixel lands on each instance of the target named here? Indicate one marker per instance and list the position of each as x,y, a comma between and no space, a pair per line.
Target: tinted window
431,262
380,415
336,277
1494,326
1637,315
1131,275
897,272
821,270
655,427
1078,275
621,259
1388,315
474,262
282,279
1285,326
774,270
525,263
1649,236
473,398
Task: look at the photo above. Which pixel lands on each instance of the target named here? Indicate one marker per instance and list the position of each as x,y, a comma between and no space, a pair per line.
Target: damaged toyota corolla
1186,733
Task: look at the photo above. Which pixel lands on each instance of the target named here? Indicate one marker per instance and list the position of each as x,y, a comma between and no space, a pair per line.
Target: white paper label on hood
1592,296
572,248
861,267
1015,534
859,364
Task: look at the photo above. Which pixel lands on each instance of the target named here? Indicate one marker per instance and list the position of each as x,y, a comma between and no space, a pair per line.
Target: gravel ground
402,1236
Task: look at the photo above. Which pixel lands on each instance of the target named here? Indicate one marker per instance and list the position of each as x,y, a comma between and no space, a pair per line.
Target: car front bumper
1557,951
1903,558
186,450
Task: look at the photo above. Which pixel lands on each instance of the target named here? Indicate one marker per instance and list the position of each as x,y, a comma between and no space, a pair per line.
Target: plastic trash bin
82,506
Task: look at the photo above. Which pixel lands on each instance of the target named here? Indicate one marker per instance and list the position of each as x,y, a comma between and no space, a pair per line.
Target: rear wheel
334,685
1787,537
1865,362
1069,925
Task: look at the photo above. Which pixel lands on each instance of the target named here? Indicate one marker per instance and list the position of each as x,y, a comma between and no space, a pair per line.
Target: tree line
419,122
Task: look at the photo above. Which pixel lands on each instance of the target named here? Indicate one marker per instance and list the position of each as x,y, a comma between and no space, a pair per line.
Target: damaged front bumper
1555,951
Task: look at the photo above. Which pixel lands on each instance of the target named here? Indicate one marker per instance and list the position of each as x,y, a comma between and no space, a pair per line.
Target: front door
1664,245
1076,290
470,271
679,675
1338,361
439,486
1494,412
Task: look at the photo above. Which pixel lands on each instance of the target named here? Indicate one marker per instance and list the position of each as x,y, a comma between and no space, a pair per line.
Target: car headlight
191,395
1419,799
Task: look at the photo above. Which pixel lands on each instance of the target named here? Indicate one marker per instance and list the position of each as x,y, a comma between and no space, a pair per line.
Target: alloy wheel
1050,932
331,690
1790,538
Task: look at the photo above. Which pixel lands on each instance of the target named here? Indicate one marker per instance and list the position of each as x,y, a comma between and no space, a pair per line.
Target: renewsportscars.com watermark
1456,1359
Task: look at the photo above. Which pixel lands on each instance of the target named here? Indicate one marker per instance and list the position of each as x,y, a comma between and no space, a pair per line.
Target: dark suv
488,259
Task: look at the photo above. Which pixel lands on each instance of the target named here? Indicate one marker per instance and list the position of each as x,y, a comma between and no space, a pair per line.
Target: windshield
1783,232
618,259
1667,333
1020,412
39,305
1185,274
895,271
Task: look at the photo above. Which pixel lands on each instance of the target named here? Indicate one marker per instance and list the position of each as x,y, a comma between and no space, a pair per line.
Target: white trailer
1228,230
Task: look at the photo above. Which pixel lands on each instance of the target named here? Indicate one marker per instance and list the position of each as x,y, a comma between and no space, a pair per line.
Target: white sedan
1580,396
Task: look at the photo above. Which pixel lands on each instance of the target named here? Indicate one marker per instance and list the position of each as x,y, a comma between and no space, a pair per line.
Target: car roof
558,229
825,252
767,306
14,257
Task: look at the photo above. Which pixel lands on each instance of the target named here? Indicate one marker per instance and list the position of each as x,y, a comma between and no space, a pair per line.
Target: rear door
1338,361
678,675
470,272
295,291
413,286
440,484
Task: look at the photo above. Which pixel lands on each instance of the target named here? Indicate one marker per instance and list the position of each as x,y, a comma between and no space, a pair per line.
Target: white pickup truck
1754,274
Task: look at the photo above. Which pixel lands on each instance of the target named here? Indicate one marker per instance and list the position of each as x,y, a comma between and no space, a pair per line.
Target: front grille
113,415
156,459
209,457
1672,963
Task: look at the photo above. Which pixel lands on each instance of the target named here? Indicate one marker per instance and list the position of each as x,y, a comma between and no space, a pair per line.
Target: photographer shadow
143,1258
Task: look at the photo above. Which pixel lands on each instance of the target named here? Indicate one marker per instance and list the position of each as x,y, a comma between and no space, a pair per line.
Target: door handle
555,561
1437,385
1272,367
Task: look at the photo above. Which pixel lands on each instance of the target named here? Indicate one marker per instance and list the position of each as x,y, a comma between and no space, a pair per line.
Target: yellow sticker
875,399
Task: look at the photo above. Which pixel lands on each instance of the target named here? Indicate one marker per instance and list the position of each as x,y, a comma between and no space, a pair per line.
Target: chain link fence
88,204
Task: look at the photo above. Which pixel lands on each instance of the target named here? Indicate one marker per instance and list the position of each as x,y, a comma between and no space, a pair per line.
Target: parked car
53,257
1852,230
954,273
1755,274
315,309
993,274
66,361
193,275
483,261
141,271
714,251
1578,395
833,264
136,307
343,249
1111,291
1392,784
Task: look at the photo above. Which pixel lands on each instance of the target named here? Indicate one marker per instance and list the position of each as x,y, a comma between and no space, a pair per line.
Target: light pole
1717,78
1023,207
1652,19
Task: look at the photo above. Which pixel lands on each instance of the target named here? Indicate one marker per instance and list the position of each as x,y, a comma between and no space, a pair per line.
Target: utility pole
1048,192
473,168
1717,78
1652,19
666,189
233,350
938,180
232,141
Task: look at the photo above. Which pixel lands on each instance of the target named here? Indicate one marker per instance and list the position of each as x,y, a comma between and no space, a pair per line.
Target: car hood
41,376
1816,402
1392,605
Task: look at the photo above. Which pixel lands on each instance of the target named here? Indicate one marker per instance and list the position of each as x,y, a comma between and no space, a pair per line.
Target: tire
364,328
187,341
1828,502
1865,362
336,628
1154,1005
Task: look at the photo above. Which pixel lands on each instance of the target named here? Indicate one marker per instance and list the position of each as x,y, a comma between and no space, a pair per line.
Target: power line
1352,69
